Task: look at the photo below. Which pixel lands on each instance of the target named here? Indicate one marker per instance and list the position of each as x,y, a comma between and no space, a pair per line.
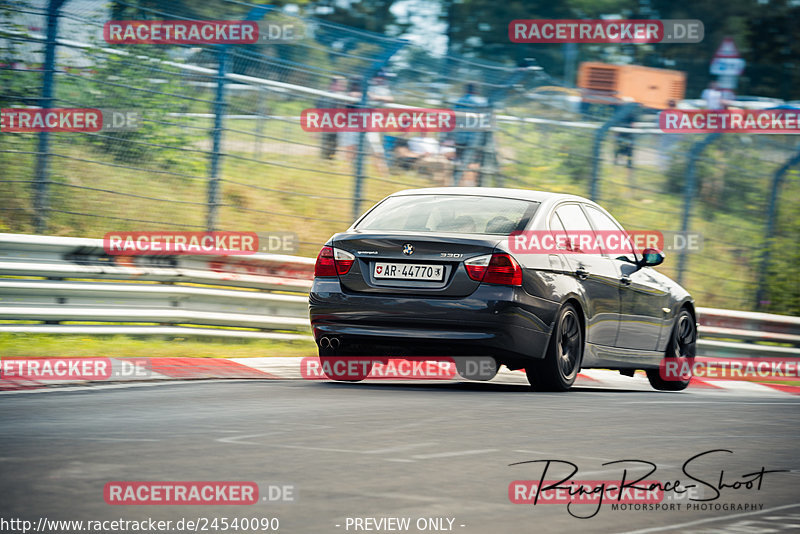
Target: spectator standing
349,140
625,141
468,144
713,96
377,95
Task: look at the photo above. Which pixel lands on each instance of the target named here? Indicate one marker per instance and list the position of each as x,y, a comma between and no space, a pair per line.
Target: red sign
727,49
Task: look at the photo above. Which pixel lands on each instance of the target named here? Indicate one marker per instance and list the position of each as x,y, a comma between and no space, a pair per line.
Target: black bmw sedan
452,272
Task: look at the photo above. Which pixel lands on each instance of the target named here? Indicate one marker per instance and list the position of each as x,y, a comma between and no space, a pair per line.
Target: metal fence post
772,215
219,116
216,151
688,193
489,164
358,184
570,58
619,115
40,200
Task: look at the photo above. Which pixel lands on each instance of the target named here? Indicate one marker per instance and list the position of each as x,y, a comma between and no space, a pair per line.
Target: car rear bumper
494,320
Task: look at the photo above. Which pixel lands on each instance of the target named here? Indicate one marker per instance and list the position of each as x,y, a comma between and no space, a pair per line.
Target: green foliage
783,289
17,87
147,86
370,15
578,161
196,346
766,33
729,176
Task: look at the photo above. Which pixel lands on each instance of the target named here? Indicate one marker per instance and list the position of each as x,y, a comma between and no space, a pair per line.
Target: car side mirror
651,257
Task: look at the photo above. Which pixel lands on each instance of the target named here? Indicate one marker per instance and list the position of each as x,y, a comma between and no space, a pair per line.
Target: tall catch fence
220,146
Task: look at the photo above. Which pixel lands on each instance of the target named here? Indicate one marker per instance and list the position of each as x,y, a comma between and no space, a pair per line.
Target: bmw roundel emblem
408,249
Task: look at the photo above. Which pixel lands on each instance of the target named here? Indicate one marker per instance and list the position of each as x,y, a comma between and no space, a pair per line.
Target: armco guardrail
59,281
730,333
69,280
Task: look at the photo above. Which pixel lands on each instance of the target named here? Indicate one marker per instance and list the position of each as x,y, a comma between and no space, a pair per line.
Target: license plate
408,271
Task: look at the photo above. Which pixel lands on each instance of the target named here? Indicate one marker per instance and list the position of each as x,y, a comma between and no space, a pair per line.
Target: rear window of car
460,214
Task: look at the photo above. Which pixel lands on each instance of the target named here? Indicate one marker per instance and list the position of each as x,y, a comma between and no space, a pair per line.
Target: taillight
503,269
476,267
325,265
332,261
343,260
498,268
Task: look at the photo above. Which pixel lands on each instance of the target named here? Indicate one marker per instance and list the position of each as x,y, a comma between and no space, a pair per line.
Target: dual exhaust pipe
330,342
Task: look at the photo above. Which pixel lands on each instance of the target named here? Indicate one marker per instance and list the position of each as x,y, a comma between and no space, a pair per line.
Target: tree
370,15
766,35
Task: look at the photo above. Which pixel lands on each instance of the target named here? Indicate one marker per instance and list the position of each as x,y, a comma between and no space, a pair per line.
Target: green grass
14,345
282,187
781,382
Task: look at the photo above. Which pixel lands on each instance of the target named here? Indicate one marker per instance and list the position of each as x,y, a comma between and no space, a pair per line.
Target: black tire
682,344
560,366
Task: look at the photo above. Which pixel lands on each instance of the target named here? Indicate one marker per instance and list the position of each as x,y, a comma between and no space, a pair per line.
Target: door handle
582,273
625,281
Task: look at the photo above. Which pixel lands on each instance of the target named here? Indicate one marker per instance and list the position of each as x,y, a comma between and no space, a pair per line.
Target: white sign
727,66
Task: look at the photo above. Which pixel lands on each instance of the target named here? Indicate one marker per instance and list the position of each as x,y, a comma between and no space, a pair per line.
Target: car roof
500,192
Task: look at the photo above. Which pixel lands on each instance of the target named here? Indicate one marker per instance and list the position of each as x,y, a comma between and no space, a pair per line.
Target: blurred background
220,146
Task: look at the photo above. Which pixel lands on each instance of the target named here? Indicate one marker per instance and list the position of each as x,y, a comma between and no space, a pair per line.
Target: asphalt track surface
416,450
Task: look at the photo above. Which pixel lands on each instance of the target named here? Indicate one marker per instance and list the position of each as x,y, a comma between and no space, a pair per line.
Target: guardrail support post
621,113
40,201
769,238
688,193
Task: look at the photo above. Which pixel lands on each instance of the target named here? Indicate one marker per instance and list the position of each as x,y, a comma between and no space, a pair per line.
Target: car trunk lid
413,263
